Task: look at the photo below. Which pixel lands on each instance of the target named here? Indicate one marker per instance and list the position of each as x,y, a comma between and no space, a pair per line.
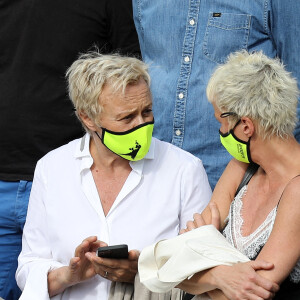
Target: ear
248,126
88,122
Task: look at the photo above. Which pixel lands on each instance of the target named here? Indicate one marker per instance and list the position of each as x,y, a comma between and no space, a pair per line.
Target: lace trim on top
251,244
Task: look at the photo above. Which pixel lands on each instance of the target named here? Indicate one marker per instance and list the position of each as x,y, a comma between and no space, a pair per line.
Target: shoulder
227,186
282,247
293,185
290,197
232,177
57,164
175,159
61,154
173,153
288,210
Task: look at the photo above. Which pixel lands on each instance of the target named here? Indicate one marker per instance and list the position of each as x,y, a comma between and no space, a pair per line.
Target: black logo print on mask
134,150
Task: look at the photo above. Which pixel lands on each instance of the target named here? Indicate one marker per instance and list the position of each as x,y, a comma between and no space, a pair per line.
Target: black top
39,40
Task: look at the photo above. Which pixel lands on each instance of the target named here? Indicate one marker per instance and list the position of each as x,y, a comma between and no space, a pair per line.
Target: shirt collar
83,152
138,166
83,146
150,154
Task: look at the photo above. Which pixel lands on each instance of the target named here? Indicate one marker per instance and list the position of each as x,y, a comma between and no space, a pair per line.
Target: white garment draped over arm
165,264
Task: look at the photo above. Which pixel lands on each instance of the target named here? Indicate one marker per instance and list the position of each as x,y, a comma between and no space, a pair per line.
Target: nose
143,117
222,131
140,119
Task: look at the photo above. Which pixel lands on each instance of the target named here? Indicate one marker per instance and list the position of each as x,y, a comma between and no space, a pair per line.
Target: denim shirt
183,41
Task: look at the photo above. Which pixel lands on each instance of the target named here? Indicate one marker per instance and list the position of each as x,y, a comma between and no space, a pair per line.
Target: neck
103,157
279,158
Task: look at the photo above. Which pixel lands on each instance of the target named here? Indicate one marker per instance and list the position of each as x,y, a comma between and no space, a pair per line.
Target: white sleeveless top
251,245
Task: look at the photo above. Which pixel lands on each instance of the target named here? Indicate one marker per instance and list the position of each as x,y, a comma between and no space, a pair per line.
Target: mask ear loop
237,123
102,135
249,153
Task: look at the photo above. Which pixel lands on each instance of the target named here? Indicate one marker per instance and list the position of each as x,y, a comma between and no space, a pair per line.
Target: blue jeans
13,209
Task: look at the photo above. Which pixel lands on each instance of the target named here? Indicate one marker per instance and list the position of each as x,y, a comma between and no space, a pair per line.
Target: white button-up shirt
159,196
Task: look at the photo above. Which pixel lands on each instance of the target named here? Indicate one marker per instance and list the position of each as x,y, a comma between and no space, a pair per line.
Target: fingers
244,282
89,244
253,291
102,244
198,220
261,281
123,270
267,284
133,255
84,246
261,265
215,215
110,263
259,286
190,225
249,289
95,245
260,293
74,262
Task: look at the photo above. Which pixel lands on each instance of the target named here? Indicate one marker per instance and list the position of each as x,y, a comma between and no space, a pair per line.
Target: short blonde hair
258,87
91,71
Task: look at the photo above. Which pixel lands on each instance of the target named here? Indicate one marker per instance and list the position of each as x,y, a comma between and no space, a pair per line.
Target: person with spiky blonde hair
256,202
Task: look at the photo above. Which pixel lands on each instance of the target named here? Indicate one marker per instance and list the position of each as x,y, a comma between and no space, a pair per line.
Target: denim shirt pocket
225,33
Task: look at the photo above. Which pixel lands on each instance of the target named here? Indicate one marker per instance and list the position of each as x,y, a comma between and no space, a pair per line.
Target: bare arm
224,191
244,280
282,247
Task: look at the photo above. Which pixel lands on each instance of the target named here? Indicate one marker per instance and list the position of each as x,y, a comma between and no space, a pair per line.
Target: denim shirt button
180,95
192,22
186,59
178,132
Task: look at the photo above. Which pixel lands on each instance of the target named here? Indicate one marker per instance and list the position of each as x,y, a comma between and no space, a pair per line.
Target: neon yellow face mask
132,144
239,149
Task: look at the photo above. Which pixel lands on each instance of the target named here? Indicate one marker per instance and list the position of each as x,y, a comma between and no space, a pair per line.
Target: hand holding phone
116,251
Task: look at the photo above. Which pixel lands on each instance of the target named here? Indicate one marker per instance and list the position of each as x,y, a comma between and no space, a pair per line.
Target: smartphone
116,251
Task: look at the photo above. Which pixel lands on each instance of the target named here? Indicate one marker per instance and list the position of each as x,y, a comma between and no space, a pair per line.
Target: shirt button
192,22
178,132
186,59
181,96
